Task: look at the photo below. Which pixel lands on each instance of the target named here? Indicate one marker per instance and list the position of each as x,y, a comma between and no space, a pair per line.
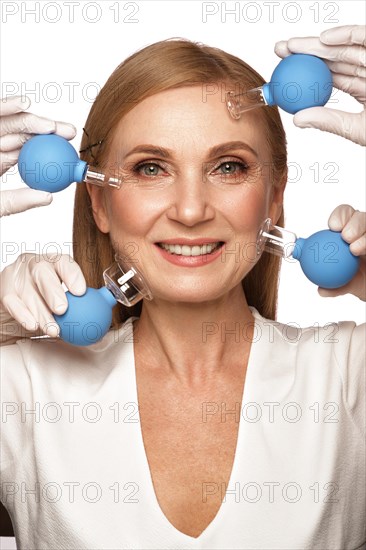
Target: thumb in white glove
344,51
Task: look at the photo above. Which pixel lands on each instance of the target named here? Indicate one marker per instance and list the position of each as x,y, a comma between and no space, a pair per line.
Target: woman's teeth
185,250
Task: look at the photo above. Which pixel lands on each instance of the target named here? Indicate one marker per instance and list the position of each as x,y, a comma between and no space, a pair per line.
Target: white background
61,53
46,47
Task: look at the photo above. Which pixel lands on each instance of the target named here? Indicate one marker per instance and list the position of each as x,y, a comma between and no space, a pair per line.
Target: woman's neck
193,340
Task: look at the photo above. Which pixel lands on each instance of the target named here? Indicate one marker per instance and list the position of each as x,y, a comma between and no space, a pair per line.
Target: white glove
30,289
16,127
352,224
344,51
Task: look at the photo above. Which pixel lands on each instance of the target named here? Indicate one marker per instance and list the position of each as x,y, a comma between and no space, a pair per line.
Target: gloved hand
16,127
352,224
30,290
344,51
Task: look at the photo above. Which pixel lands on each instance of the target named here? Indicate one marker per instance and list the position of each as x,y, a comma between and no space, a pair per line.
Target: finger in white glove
353,54
345,34
348,125
14,104
340,68
15,120
19,200
32,124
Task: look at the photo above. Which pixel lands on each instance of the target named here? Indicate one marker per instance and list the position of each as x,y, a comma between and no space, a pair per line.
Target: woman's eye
147,169
232,168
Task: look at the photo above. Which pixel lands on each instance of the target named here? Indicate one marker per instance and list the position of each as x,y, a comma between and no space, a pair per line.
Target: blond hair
165,65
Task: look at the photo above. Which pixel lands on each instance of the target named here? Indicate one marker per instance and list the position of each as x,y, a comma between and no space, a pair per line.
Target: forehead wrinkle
216,150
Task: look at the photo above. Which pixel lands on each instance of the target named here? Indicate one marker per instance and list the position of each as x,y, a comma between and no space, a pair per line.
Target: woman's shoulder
339,345
334,332
328,358
46,353
46,370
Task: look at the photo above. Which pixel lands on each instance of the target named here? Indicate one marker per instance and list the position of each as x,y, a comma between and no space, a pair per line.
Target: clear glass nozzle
276,240
245,101
126,283
100,179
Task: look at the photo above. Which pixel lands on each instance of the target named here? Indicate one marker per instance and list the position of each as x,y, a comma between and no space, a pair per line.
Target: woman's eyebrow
214,151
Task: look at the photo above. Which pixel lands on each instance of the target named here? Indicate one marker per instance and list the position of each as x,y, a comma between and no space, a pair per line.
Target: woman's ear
276,205
99,207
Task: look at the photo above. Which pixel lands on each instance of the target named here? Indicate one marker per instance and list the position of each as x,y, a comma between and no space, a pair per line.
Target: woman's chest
190,444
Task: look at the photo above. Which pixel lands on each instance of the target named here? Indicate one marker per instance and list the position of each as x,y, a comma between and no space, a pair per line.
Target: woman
239,431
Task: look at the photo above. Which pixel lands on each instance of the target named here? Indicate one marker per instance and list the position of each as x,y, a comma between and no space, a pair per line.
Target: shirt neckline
218,518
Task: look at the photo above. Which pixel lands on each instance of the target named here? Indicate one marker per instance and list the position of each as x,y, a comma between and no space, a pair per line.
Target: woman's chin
187,294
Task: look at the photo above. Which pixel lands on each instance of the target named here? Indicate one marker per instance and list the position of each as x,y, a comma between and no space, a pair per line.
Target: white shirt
75,474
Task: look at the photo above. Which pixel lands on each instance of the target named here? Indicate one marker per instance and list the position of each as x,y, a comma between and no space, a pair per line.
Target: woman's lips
190,242
190,261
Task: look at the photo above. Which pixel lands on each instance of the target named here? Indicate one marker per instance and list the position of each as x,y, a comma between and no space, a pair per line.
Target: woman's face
188,192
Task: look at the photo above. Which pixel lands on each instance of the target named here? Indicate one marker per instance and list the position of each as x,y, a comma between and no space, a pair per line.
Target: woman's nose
191,202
